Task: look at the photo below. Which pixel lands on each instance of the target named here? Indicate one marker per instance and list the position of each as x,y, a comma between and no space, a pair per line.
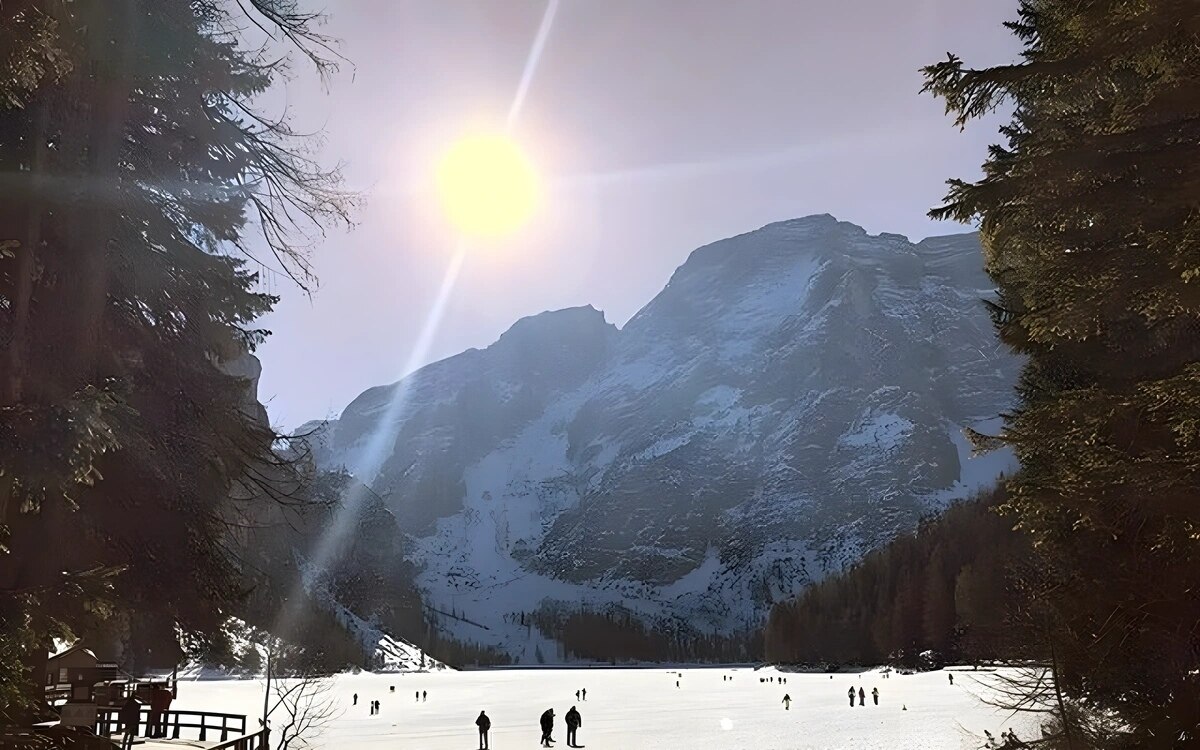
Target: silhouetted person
850,693
424,696
160,703
862,697
787,702
875,695
484,724
676,683
129,716
951,676
585,693
576,695
355,703
392,689
574,721
417,696
547,722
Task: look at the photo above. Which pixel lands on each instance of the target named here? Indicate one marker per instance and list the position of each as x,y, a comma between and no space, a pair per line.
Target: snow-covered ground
629,709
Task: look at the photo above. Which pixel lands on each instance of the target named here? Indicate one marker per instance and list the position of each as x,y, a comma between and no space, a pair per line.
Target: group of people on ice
862,696
573,721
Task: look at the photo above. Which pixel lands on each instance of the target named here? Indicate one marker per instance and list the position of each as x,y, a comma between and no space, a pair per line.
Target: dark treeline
949,587
459,653
619,636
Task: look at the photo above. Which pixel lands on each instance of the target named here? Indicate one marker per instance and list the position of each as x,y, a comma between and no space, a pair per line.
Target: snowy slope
792,399
389,653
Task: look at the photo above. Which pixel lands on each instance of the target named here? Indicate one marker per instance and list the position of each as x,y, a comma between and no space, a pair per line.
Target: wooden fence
192,725
260,740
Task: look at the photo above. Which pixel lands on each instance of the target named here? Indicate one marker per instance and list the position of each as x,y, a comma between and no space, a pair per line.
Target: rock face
792,399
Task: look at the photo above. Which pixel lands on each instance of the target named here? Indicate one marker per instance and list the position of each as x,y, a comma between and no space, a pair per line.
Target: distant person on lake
585,693
355,699
424,696
129,716
787,702
574,721
875,695
951,676
862,697
417,696
484,724
547,722
576,695
850,693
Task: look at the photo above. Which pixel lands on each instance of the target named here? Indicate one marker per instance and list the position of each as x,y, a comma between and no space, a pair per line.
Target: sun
487,186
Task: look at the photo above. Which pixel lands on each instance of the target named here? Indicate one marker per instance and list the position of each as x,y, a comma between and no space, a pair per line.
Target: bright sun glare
487,186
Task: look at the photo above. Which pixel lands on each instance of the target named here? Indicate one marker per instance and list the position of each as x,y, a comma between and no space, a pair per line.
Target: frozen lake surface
628,709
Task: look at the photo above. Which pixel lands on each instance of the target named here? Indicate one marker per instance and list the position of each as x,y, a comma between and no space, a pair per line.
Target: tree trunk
26,257
94,228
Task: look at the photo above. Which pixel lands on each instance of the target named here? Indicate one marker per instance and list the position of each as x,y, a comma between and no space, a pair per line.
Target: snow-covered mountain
793,398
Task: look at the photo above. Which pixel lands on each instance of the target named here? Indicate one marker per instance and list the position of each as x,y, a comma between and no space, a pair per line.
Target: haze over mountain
793,398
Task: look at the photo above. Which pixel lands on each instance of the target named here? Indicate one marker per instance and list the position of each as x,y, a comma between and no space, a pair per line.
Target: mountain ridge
793,397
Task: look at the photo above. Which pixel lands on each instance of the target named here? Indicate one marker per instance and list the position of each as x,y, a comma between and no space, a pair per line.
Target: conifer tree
135,175
1090,220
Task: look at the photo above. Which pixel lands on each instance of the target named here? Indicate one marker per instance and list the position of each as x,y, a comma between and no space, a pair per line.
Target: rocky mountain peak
792,399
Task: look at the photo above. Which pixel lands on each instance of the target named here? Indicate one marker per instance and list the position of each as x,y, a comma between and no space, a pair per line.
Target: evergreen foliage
1090,220
135,175
620,635
949,587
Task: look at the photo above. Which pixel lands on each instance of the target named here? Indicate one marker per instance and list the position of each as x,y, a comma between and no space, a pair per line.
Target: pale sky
657,126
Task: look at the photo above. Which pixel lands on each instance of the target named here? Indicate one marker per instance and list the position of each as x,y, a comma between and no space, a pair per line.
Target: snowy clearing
642,708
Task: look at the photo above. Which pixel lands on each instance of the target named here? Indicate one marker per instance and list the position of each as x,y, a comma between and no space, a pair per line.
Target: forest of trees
620,636
950,587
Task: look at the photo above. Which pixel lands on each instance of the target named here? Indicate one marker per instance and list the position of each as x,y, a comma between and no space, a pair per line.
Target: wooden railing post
176,732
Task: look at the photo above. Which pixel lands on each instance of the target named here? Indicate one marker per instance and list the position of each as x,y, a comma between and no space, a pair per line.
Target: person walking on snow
850,693
576,695
574,721
951,676
417,696
484,724
875,695
547,722
424,696
355,699
787,702
862,697
585,693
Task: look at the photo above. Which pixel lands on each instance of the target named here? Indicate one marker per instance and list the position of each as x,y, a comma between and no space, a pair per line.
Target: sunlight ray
382,441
